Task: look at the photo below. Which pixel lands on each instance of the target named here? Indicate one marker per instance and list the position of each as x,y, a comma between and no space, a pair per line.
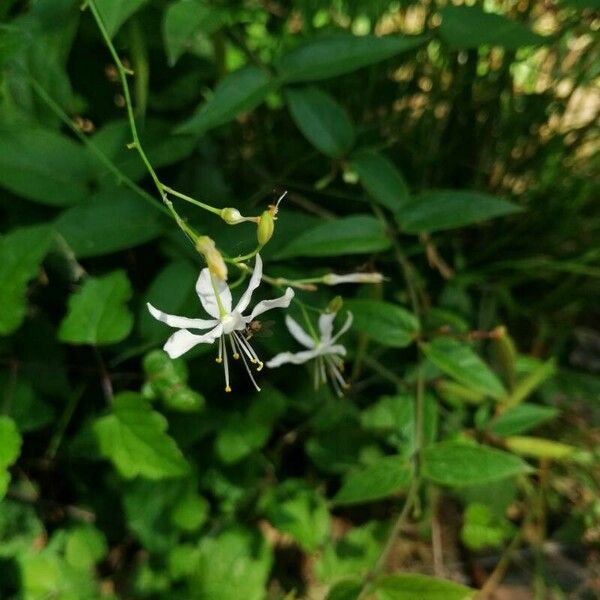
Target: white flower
334,279
215,297
327,353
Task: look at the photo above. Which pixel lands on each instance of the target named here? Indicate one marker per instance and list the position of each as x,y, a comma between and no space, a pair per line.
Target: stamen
249,350
233,349
235,342
322,367
336,373
219,358
226,366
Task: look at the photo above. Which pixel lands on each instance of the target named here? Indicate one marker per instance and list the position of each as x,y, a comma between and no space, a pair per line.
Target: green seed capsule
266,226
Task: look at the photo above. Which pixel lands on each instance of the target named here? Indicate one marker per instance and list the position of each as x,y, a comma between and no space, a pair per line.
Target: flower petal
265,305
345,327
326,326
335,349
183,340
206,293
244,301
296,358
298,333
180,322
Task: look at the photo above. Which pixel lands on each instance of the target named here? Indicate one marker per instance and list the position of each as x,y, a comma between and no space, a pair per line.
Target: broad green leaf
359,234
322,120
115,12
410,586
331,55
539,447
85,546
134,438
44,166
98,313
460,464
465,27
21,252
521,418
530,383
346,589
113,219
438,210
381,178
379,480
184,21
459,360
10,448
238,92
384,322
482,528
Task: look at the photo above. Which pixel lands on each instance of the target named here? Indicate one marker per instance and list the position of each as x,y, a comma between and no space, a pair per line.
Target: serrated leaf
21,252
438,210
113,219
115,12
381,179
466,27
521,418
238,92
44,166
459,360
384,322
411,586
359,234
322,120
382,479
97,313
10,448
327,56
459,464
134,438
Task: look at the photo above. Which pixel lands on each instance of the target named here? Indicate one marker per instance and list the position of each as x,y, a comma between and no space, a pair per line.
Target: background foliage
453,148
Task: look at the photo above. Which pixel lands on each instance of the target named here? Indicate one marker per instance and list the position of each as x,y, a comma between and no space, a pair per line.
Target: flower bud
333,279
266,226
213,257
335,305
231,216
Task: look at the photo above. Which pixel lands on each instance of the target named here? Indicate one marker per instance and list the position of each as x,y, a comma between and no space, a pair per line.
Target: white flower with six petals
216,300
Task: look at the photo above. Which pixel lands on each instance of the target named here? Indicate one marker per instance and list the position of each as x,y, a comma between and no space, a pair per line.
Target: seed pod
266,226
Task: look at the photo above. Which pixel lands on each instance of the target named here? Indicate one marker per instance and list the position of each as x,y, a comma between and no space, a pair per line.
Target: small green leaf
484,529
459,464
539,448
381,479
85,546
437,210
134,438
346,589
115,12
359,234
458,360
21,252
412,586
113,219
381,178
44,166
384,322
238,92
328,56
530,383
10,448
97,312
190,511
322,120
466,27
522,418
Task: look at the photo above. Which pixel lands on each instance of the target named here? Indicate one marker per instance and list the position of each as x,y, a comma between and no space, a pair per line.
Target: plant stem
191,200
65,419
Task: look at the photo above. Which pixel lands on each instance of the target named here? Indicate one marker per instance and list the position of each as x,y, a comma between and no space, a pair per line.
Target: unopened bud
335,305
333,279
232,216
266,226
214,260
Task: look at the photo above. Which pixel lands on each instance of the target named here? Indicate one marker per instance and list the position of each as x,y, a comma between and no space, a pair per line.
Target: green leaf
466,27
530,383
97,313
384,322
438,210
460,464
113,219
184,21
115,12
381,178
522,418
134,438
331,55
322,120
44,166
190,511
359,234
539,447
412,586
28,410
21,252
346,589
85,546
238,92
458,360
381,479
10,448
484,529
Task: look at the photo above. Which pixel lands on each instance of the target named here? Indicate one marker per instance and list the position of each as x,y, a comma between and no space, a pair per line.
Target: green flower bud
335,305
232,216
266,226
213,257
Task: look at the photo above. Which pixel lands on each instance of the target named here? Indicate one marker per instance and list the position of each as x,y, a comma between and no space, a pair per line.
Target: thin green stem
64,421
246,256
208,207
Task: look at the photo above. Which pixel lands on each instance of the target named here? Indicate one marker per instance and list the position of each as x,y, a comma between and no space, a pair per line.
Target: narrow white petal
298,333
297,358
244,301
334,349
345,327
326,326
265,305
180,322
206,293
183,340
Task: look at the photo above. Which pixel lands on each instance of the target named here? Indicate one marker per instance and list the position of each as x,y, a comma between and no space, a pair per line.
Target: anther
227,388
